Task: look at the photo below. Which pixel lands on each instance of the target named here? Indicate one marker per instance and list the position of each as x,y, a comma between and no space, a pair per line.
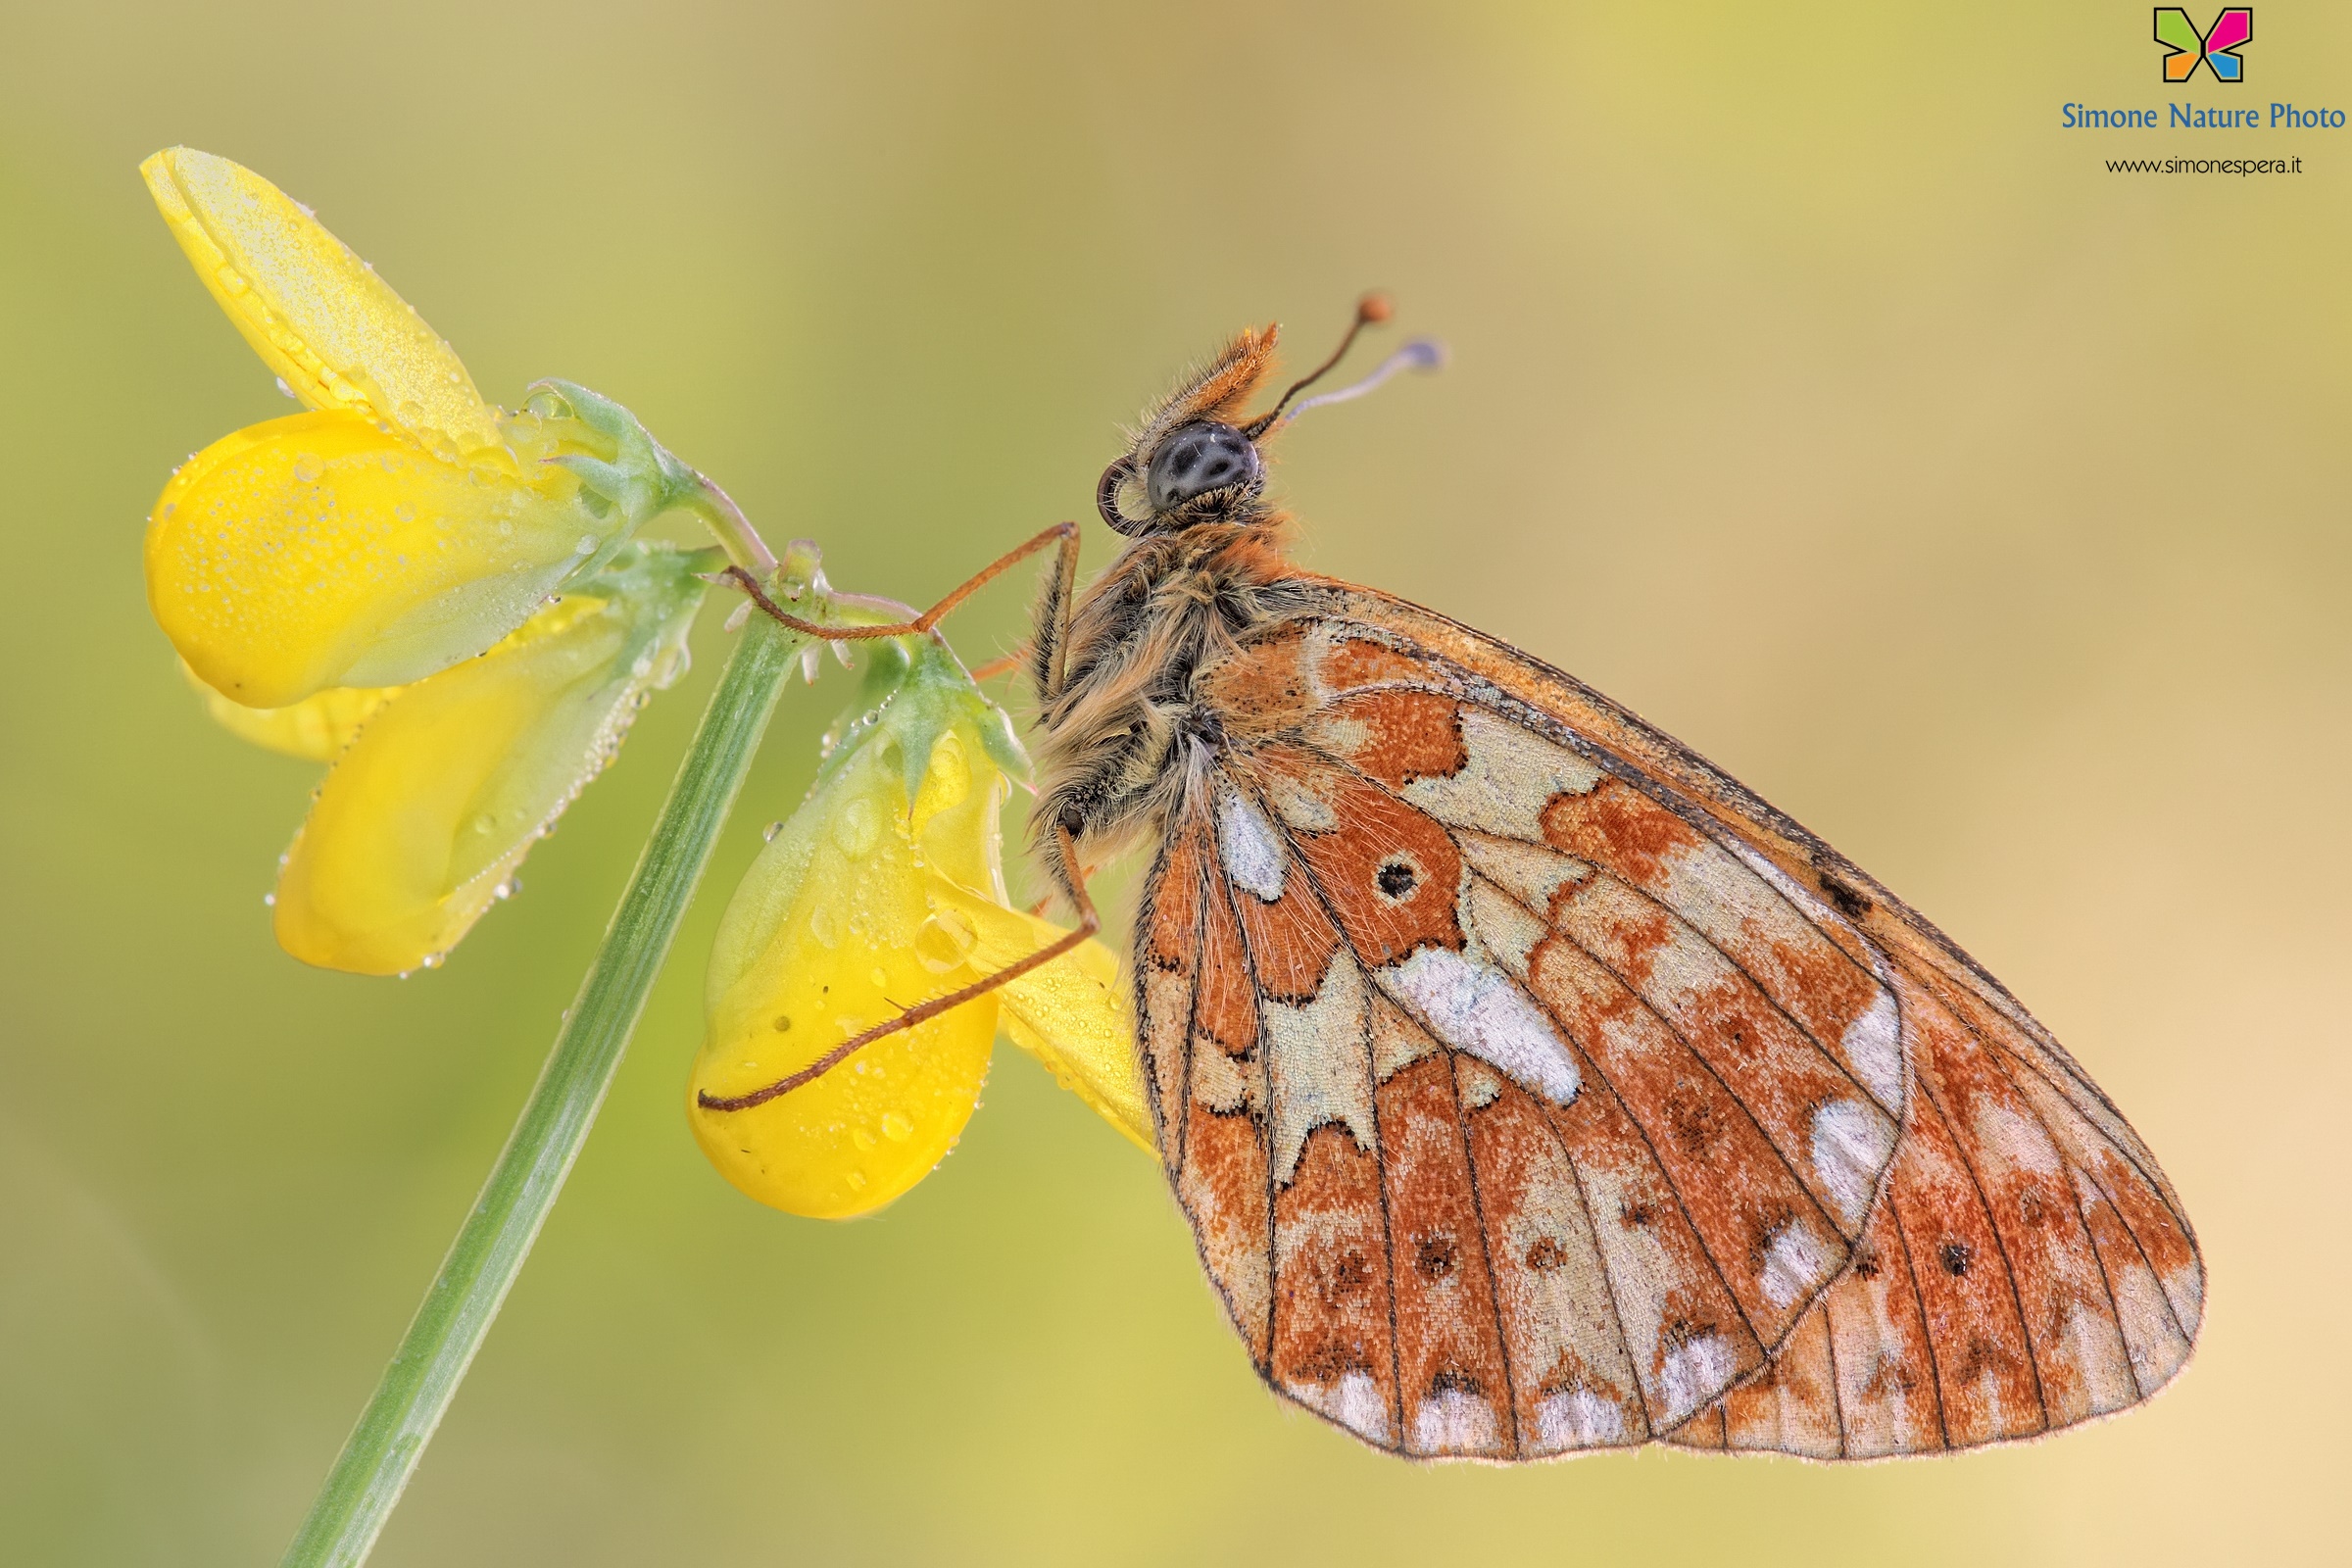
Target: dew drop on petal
944,940
307,468
768,834
863,1139
856,1180
896,1127
857,827
826,925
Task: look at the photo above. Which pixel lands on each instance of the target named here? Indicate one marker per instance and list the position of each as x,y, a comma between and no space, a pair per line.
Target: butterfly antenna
1421,354
1372,309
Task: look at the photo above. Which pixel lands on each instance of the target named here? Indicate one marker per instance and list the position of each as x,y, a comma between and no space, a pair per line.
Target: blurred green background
1813,391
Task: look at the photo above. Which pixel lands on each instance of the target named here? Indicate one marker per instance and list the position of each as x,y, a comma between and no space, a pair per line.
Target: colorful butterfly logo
2188,48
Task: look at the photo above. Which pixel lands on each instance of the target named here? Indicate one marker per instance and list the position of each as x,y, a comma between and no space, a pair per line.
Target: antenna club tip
1375,307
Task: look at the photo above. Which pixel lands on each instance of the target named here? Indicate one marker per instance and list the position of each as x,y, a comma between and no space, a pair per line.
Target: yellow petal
419,826
319,551
1073,1014
314,312
317,729
833,930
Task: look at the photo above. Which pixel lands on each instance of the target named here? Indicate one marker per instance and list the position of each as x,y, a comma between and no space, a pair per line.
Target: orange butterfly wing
1494,1142
1525,1099
2024,1273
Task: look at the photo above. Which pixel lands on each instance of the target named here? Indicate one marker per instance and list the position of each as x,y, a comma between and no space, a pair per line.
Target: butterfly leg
1063,533
1001,667
1089,922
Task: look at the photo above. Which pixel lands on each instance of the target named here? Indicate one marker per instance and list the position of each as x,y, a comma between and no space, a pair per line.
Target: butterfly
1530,1086
2185,48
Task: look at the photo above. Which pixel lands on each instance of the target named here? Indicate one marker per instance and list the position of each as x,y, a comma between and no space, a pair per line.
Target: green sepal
913,693
625,468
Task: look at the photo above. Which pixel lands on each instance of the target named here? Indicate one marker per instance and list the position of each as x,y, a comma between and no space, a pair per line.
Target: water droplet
856,1181
947,759
232,280
879,976
483,822
434,960
287,390
783,1023
826,925
861,1138
269,901
896,1127
308,469
586,546
404,513
945,940
857,827
768,834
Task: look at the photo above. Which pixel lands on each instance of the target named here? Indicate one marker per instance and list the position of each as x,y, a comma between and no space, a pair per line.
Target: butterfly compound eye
1198,459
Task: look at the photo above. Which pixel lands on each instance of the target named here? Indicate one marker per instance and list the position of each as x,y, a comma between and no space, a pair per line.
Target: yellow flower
376,582
316,729
401,526
885,890
423,819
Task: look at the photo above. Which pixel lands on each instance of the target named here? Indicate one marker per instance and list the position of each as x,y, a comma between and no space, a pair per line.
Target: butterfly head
1197,458
1193,461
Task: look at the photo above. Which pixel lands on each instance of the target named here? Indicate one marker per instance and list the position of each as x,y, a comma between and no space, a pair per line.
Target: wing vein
1927,1325
1192,1013
1486,1251
1217,887
1388,1229
1648,1142
2025,1327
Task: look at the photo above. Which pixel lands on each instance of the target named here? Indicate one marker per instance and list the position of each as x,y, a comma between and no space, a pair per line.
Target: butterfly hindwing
1566,1114
2015,1263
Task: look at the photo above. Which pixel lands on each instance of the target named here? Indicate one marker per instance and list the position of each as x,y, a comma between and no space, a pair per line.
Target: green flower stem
383,1449
744,546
